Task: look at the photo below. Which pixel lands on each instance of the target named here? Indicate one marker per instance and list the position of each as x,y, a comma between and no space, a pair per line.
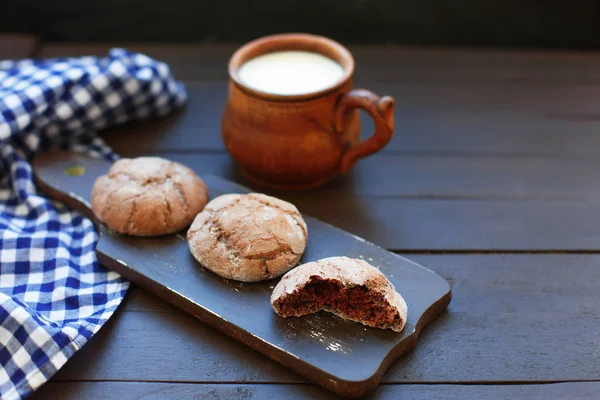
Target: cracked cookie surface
148,196
248,237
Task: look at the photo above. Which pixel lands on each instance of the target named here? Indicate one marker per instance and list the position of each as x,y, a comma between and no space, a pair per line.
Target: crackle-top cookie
348,287
248,237
148,196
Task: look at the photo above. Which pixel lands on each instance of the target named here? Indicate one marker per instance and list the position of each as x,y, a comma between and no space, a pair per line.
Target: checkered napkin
53,293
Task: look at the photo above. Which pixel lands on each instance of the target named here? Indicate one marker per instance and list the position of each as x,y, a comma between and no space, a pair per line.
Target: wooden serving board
345,357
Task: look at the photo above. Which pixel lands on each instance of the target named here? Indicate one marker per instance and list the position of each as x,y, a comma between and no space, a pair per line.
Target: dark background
508,23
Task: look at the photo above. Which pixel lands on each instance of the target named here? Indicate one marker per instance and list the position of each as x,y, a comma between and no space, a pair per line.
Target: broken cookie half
350,288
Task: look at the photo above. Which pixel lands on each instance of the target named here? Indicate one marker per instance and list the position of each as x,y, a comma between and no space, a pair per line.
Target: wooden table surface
492,180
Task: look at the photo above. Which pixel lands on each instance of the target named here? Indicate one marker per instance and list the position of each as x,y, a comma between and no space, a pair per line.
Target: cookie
350,288
148,196
248,237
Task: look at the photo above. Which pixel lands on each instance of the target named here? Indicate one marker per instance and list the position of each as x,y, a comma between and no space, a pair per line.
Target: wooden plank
435,216
139,300
15,46
429,118
169,347
473,65
193,128
194,61
186,391
531,99
430,218
494,132
467,225
187,61
432,177
512,318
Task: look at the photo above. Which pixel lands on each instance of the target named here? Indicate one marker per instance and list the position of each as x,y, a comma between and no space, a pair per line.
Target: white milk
290,72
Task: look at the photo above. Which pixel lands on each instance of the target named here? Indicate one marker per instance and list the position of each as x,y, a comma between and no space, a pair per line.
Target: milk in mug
290,72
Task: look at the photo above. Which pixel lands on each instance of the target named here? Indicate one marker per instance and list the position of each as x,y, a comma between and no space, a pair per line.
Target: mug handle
381,110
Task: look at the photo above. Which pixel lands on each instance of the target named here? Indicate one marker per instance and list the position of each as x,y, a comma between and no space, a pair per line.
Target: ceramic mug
303,140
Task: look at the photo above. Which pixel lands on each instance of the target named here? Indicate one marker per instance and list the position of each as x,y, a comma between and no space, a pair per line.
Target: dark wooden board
430,119
513,318
184,391
344,357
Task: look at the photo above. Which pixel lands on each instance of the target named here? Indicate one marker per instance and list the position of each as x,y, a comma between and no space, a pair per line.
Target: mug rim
291,41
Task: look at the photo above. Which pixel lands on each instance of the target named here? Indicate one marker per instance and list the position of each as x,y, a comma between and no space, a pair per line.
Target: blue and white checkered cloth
53,293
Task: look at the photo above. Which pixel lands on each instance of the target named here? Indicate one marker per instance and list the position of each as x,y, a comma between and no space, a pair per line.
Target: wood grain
186,391
494,151
511,319
531,99
413,176
429,119
383,63
446,221
450,203
187,61
466,225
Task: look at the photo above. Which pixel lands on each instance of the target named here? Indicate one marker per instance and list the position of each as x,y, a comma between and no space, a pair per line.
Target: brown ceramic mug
302,140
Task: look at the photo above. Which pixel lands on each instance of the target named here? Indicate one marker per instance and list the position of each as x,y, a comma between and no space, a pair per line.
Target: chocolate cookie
350,288
148,196
248,237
